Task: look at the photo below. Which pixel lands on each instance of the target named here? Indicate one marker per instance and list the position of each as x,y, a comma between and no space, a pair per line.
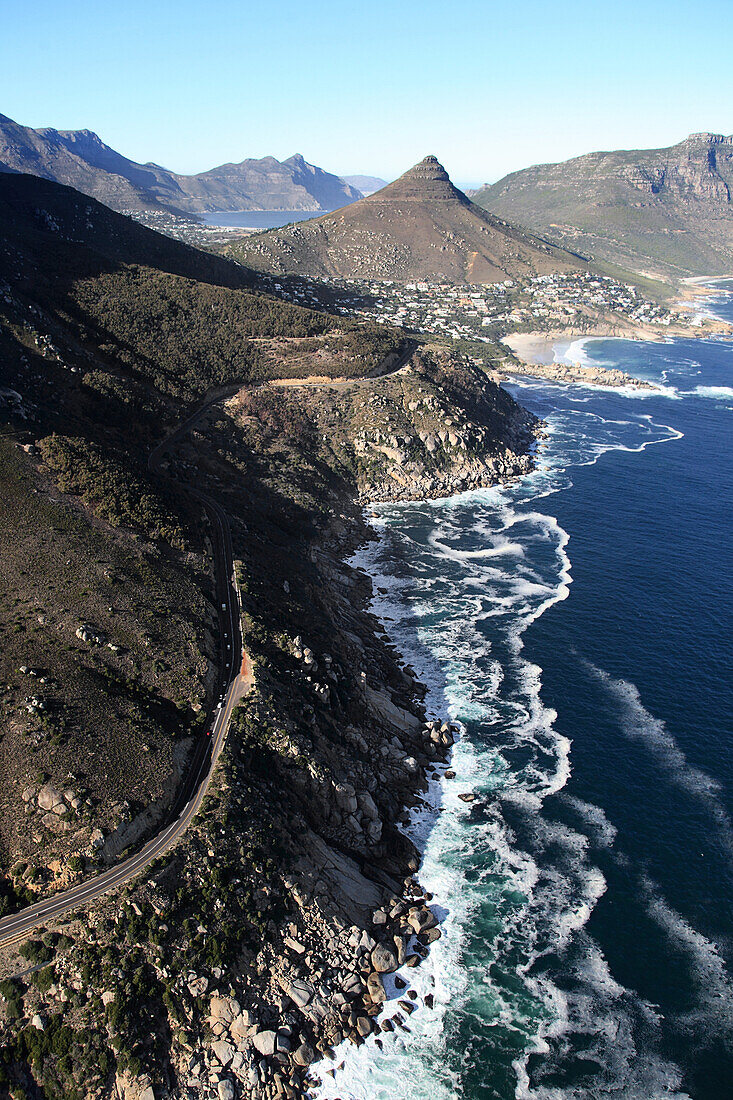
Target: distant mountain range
366,184
419,227
663,212
80,159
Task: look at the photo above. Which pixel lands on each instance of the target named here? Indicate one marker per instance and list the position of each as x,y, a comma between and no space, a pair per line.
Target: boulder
223,1009
197,986
430,936
375,988
346,797
241,1027
420,920
304,1055
49,798
225,1089
300,992
264,1043
283,1040
352,985
224,1051
383,959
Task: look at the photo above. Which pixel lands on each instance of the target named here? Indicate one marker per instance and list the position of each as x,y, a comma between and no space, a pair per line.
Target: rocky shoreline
263,942
360,914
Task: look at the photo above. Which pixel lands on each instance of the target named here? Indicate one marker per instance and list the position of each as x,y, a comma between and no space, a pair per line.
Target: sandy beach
559,357
538,347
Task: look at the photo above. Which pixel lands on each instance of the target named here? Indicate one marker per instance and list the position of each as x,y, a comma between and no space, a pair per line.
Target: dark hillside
109,332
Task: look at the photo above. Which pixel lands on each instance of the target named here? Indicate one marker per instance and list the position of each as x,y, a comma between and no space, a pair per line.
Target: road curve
236,680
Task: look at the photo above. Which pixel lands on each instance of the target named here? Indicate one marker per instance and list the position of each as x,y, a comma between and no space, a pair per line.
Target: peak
429,168
427,181
84,135
710,139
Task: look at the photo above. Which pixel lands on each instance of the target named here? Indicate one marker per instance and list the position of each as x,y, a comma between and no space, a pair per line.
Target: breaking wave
524,1002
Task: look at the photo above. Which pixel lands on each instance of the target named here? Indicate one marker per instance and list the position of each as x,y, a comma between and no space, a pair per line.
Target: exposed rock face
665,211
419,227
439,426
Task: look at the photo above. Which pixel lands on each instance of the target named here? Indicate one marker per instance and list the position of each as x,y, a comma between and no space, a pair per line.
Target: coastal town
485,314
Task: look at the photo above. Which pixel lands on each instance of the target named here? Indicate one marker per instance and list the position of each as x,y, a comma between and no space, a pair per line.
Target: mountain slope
665,212
109,333
77,159
295,870
366,184
419,227
80,159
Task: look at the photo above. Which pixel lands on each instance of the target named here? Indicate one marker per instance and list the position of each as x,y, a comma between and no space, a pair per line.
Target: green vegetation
115,493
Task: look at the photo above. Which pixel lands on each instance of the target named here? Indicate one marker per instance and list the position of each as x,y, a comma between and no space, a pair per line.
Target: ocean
577,624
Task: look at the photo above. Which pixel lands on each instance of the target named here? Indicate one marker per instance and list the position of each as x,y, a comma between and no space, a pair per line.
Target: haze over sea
577,624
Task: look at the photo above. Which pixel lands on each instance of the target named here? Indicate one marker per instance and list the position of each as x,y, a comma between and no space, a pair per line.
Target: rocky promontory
274,930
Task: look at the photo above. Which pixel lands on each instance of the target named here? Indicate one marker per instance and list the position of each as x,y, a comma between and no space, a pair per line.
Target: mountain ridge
81,159
665,212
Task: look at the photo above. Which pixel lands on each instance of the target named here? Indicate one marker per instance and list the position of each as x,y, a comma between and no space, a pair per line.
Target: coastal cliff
261,940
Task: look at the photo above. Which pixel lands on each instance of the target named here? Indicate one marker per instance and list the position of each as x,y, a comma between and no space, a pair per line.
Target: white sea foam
494,560
712,1013
616,1030
638,723
601,831
715,393
574,352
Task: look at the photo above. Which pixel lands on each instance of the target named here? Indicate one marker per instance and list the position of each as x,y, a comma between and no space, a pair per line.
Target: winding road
236,681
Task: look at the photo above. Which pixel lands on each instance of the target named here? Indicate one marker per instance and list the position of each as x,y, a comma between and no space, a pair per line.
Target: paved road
236,680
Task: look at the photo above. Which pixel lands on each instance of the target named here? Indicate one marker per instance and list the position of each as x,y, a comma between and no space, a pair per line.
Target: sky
368,86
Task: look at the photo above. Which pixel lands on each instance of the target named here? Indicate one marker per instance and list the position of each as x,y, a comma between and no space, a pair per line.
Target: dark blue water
578,624
259,219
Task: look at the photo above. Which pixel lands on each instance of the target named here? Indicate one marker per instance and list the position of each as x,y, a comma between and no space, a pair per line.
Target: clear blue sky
370,86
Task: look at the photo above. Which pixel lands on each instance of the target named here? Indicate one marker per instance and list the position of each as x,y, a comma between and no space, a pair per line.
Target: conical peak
426,181
429,168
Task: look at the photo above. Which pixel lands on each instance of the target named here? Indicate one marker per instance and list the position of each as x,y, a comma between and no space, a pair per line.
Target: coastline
538,352
700,286
358,1066
329,755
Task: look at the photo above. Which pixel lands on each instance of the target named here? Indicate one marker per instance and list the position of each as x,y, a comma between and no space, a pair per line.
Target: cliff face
419,227
80,159
663,211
